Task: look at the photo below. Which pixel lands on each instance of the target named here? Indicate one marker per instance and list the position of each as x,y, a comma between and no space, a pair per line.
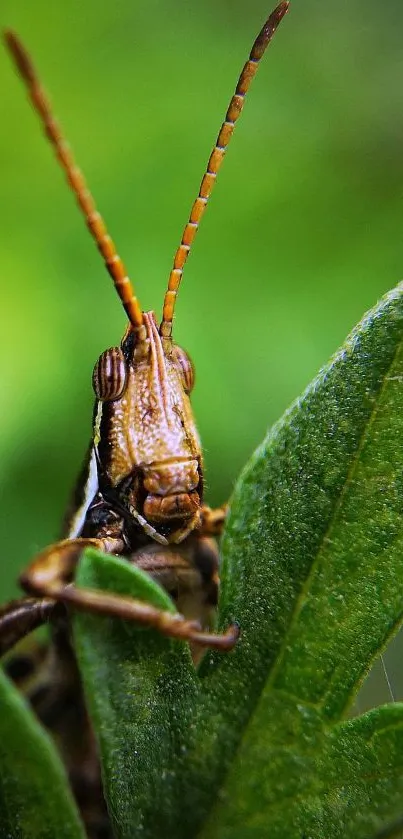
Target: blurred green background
302,235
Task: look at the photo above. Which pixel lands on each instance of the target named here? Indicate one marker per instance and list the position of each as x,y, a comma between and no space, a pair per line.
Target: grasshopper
140,492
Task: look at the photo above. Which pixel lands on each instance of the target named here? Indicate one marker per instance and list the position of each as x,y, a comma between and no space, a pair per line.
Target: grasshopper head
147,446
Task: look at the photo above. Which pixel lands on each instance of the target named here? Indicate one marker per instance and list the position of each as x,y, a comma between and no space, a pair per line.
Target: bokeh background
302,235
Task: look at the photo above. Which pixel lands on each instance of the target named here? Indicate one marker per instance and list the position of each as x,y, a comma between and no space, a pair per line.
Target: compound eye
186,367
109,376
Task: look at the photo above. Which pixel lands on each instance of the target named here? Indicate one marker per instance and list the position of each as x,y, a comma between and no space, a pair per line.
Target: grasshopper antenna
215,161
76,180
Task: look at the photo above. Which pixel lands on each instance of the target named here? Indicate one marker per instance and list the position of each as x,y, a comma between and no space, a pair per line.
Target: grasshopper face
146,444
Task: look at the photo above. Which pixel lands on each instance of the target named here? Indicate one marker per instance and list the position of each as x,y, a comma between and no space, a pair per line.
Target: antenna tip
277,15
21,58
9,38
268,30
281,9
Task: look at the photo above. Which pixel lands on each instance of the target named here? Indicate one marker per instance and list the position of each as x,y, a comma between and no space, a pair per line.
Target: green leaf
138,684
35,800
393,830
312,557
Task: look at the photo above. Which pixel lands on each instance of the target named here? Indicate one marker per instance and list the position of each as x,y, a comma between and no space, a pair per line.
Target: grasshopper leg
20,617
50,575
213,520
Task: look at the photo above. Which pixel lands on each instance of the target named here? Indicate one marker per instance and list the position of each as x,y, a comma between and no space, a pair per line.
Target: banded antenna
77,183
215,161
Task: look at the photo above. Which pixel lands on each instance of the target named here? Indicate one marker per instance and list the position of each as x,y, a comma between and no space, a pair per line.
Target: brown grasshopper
140,493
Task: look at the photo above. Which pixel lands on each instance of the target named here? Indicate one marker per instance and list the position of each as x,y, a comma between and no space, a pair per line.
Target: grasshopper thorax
146,444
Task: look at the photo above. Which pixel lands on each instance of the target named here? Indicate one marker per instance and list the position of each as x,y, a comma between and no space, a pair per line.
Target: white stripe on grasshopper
90,490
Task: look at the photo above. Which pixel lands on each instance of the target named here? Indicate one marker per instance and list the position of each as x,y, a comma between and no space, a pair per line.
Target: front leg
54,567
50,575
19,618
212,521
